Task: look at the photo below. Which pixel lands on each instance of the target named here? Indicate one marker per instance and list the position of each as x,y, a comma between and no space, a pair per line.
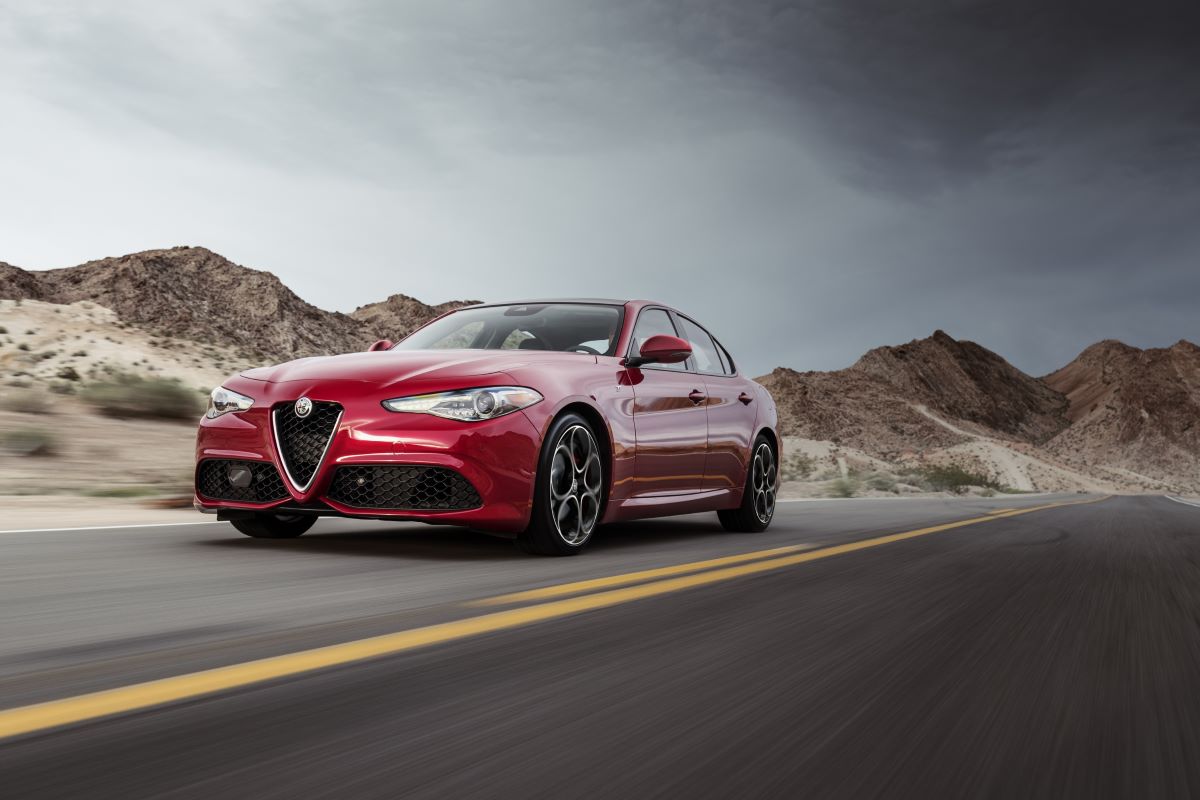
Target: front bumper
497,457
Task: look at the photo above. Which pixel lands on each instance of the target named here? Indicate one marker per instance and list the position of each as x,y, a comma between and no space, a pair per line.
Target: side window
652,322
704,351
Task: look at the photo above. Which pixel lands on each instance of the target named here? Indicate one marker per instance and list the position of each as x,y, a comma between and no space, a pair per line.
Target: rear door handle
696,396
745,398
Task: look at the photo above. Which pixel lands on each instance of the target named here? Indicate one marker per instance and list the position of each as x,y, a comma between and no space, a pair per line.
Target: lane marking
579,587
95,705
1191,503
111,527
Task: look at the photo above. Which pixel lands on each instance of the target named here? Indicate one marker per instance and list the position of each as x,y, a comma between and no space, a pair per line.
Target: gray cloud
811,179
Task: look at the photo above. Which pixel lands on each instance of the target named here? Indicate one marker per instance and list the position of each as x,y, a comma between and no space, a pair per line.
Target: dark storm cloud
811,178
922,94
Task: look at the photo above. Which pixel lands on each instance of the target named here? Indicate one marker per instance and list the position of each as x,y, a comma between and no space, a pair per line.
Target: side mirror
661,349
382,344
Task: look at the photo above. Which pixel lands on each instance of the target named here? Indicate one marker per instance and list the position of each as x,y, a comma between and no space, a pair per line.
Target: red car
541,419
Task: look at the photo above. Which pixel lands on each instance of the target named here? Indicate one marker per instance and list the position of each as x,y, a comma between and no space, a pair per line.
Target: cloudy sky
810,179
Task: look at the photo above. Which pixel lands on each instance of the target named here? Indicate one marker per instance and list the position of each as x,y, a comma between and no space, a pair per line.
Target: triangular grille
302,441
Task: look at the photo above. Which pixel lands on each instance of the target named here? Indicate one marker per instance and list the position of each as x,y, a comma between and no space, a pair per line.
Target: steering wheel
583,348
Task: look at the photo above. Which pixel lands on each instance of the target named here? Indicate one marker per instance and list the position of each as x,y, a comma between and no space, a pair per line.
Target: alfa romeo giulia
541,419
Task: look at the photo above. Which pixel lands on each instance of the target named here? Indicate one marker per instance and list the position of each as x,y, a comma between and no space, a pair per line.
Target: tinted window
575,327
652,322
704,351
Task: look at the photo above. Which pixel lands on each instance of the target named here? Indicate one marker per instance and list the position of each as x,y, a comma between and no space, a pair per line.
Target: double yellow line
573,598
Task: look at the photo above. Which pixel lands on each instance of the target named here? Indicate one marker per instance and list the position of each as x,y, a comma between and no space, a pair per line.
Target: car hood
393,366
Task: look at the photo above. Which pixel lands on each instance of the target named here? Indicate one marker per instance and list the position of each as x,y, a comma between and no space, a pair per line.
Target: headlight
469,405
223,400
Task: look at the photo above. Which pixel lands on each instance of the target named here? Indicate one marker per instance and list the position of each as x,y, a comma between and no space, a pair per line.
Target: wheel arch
771,436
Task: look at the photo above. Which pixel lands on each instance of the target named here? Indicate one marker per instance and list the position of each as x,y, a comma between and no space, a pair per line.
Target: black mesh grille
405,488
264,484
302,440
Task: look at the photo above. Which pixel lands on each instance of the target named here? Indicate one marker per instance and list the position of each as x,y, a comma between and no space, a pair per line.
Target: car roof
595,301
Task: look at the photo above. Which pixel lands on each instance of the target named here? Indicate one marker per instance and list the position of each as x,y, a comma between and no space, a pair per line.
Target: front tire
274,526
757,510
568,496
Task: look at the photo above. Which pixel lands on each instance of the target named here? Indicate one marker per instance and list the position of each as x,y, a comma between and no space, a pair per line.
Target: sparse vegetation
797,467
880,482
28,442
844,487
132,396
3,330
23,346
79,354
24,402
953,478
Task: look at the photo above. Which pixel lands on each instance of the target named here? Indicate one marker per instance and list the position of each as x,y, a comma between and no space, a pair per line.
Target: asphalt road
1053,653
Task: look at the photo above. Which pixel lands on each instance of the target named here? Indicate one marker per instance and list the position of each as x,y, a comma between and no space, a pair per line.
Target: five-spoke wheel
568,497
576,479
758,498
762,482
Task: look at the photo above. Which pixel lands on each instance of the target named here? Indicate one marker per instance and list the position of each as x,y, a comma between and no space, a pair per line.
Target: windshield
569,327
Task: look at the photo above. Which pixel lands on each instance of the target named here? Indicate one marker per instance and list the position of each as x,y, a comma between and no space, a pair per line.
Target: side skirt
669,505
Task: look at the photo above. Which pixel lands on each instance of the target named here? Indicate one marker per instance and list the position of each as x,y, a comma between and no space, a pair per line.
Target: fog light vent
240,477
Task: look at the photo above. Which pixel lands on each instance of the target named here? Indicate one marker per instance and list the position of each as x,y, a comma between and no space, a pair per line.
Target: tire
565,515
274,526
757,510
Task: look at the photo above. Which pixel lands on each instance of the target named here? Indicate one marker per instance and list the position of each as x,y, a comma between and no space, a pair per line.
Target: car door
730,403
669,416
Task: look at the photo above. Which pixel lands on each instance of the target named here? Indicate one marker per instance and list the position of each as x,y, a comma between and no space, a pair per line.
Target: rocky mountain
967,382
1133,410
875,405
1118,415
400,314
193,293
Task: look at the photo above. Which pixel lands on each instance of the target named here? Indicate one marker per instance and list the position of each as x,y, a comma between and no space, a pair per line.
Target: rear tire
274,526
757,510
568,495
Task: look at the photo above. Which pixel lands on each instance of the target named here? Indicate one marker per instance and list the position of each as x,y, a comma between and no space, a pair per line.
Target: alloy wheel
576,483
763,482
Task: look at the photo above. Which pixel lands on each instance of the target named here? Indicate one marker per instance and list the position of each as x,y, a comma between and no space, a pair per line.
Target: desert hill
1132,410
398,315
193,293
1116,417
874,404
968,382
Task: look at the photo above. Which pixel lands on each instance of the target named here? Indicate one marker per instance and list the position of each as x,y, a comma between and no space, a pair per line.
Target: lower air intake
403,488
239,481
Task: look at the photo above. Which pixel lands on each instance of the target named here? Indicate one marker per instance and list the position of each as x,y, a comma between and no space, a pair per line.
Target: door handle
696,396
745,398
